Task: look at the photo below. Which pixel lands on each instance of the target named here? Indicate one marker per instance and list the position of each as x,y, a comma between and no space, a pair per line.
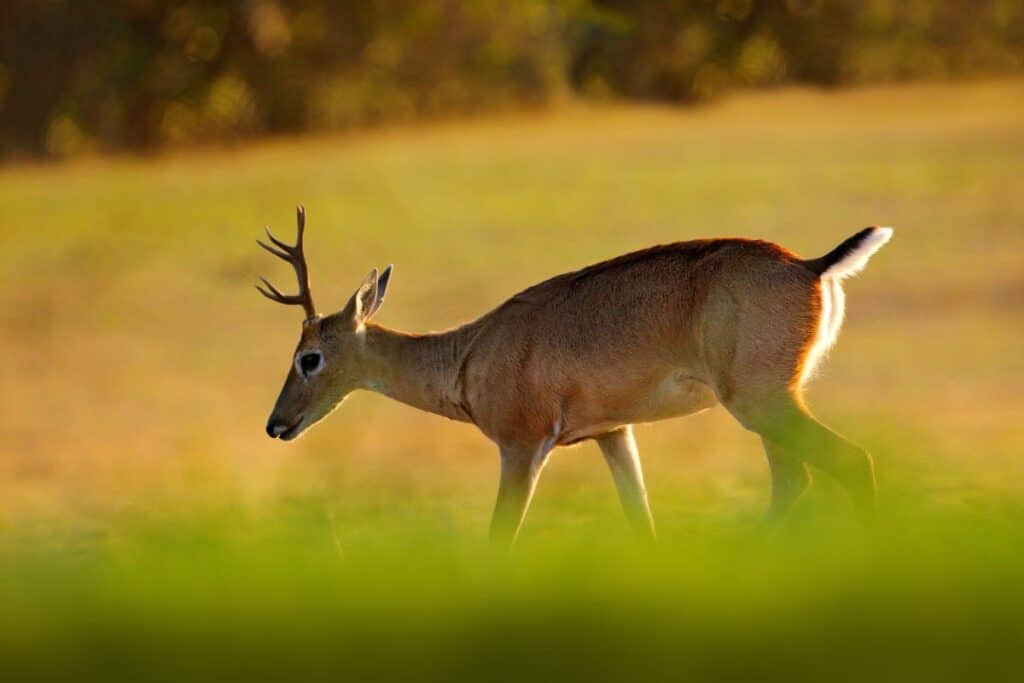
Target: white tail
856,257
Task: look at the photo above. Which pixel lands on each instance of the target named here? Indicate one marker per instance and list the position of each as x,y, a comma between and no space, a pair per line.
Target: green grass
149,530
227,598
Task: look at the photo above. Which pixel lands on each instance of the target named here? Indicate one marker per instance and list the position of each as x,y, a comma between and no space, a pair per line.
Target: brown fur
658,333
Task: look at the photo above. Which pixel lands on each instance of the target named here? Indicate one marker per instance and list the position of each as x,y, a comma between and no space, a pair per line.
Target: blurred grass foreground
150,531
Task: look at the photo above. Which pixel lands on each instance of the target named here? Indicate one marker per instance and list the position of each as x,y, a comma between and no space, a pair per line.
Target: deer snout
274,428
278,428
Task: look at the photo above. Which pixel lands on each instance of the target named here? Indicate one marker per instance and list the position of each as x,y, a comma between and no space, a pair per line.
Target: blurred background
143,74
149,528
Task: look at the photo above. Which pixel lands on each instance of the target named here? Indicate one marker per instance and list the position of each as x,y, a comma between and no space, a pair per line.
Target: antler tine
277,296
294,255
273,293
276,252
287,248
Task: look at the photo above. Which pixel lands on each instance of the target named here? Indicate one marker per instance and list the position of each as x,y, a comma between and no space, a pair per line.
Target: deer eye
309,363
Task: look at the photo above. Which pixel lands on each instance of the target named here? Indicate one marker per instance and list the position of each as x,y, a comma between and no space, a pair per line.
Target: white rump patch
828,327
833,299
838,309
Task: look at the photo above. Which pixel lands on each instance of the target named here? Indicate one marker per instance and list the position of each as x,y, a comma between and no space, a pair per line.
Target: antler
297,258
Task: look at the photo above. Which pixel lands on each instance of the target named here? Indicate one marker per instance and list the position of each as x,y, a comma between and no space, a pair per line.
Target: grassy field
149,528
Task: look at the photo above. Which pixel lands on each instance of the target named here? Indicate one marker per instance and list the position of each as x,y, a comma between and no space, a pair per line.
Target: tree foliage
78,75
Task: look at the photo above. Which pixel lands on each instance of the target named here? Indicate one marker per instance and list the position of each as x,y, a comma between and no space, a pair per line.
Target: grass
148,529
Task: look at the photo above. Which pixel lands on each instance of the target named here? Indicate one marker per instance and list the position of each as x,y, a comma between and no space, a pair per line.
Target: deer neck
419,370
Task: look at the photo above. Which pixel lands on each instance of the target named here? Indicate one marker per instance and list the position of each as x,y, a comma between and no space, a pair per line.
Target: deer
667,331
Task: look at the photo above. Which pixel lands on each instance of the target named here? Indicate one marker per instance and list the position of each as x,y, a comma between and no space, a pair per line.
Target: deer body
659,333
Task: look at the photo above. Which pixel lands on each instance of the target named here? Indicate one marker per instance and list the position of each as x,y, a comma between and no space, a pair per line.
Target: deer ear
382,290
361,306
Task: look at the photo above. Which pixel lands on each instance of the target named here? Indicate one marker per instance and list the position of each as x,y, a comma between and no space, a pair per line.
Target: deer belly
674,395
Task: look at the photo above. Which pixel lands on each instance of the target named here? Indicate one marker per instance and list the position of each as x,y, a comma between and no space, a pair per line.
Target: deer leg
783,422
520,468
836,456
620,452
790,479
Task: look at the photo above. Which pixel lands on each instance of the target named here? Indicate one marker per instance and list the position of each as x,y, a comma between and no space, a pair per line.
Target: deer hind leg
620,452
790,432
776,344
790,479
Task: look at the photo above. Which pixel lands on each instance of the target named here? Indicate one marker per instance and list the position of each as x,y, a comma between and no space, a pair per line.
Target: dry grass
138,364
150,531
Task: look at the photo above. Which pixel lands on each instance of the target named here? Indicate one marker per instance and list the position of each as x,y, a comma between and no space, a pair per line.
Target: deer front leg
520,468
620,452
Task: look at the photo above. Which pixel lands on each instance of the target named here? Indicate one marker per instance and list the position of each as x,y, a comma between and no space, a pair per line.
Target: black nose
273,428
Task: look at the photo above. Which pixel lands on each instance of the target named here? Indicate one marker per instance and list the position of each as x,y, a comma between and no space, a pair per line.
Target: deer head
328,360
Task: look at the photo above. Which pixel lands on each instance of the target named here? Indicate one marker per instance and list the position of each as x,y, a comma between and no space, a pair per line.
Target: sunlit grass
143,513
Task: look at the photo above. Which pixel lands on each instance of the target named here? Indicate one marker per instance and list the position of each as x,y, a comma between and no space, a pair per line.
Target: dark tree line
78,75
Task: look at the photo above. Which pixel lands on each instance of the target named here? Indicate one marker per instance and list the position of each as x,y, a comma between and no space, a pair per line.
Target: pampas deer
655,334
